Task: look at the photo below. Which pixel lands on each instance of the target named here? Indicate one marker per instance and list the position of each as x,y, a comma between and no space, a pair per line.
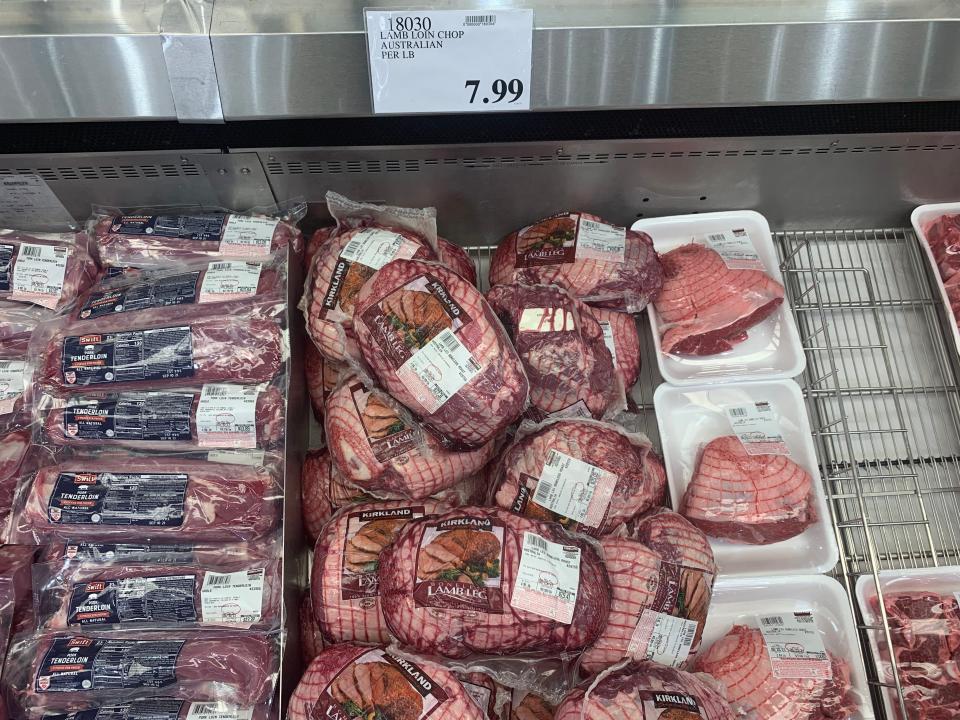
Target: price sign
434,61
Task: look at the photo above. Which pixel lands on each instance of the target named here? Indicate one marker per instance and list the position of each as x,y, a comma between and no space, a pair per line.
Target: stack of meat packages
490,541
155,405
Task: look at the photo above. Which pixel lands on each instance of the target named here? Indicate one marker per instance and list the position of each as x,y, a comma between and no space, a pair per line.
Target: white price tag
11,384
235,598
229,280
736,249
248,236
217,710
375,248
434,61
443,366
548,578
663,638
757,427
27,202
38,274
575,489
794,646
600,241
607,329
226,416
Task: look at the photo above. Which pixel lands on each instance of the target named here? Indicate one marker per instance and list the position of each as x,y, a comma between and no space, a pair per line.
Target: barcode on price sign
31,250
771,621
480,20
218,580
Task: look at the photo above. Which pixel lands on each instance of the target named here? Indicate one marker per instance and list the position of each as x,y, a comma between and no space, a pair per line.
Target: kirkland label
736,248
368,534
224,281
82,663
388,434
248,236
11,384
555,319
574,489
38,274
600,241
549,242
158,354
182,227
160,417
235,598
548,578
663,638
6,266
149,709
226,416
661,705
377,680
758,428
795,646
167,599
109,552
151,499
459,565
153,293
607,329
217,711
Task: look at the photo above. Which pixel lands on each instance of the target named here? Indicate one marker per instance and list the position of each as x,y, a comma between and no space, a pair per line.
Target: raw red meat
378,446
457,259
59,268
319,237
943,237
532,707
323,492
155,239
561,344
61,421
238,668
335,281
705,307
667,567
756,499
491,697
627,479
15,384
221,503
16,563
311,641
556,251
345,561
346,681
322,376
626,343
484,546
13,449
209,349
410,306
17,323
739,661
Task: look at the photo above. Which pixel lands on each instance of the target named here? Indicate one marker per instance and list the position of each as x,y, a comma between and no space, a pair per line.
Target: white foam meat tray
918,218
772,349
737,601
690,417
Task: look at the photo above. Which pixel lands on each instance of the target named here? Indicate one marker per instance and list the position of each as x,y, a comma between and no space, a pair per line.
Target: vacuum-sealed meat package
48,269
133,499
311,640
623,339
457,259
17,323
435,344
153,708
322,376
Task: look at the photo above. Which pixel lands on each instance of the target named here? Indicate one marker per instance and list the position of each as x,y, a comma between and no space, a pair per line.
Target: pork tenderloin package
237,667
16,375
236,593
350,681
346,558
484,581
378,446
93,553
153,708
135,500
15,563
569,365
214,415
598,262
131,353
150,239
17,323
47,269
589,476
434,343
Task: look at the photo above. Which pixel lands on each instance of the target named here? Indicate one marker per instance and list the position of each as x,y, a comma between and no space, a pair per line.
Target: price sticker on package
758,428
795,646
436,61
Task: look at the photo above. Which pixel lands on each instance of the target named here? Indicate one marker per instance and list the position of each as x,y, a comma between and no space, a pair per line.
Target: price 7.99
499,88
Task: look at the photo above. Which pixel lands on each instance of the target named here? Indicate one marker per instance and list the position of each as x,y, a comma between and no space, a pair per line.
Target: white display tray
919,217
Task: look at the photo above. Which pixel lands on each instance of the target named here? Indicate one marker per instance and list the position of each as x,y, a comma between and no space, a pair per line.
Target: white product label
757,427
575,489
435,61
479,694
232,597
662,638
794,646
443,366
38,274
217,711
579,409
11,384
375,248
600,241
229,280
548,578
27,202
608,339
226,416
253,458
248,236
546,320
736,249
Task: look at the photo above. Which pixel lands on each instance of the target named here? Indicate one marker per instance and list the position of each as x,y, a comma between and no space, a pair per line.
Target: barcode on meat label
663,638
757,426
31,251
536,541
716,237
543,493
218,580
7,365
233,598
771,621
353,247
218,390
548,578
218,711
795,646
575,490
220,266
450,342
480,20
738,412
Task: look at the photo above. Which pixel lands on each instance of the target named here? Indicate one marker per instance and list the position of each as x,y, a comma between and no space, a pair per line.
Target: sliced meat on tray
379,447
599,263
350,681
138,499
646,690
665,567
622,337
568,364
44,269
435,345
461,583
597,475
739,661
756,499
705,307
